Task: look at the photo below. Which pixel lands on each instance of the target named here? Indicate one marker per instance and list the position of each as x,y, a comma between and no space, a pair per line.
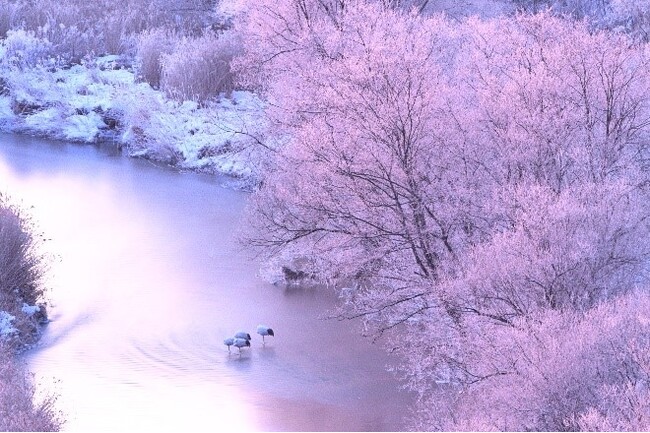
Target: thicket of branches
78,29
22,266
20,408
479,187
22,317
629,16
181,47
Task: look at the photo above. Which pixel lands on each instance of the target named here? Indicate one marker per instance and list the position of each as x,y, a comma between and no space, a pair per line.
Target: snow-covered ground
15,328
6,325
102,100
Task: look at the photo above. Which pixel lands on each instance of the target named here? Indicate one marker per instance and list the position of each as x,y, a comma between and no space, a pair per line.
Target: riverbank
23,304
101,100
23,316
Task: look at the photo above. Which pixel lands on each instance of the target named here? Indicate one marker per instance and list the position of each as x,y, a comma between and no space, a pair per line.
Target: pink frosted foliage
553,371
479,187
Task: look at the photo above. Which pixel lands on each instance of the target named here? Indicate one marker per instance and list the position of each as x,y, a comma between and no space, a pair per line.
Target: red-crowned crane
264,331
244,335
241,342
240,335
229,342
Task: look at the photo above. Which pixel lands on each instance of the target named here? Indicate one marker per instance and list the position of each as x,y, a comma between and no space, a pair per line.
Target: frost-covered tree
369,134
477,184
553,371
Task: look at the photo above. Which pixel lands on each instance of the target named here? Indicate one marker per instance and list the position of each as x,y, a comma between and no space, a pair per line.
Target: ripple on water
149,285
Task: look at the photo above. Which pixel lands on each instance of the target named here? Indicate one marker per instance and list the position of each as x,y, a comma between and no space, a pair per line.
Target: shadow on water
266,351
240,362
64,330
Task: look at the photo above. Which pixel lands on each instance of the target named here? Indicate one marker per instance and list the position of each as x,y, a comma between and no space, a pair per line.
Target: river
147,280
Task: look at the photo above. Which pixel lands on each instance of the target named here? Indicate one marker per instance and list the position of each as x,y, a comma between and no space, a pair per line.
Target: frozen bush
560,371
78,29
23,49
8,13
482,186
20,410
628,16
199,68
21,270
632,17
152,45
577,8
151,128
6,325
60,25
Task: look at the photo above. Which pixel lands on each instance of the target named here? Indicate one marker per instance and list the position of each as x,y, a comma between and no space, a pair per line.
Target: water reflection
147,283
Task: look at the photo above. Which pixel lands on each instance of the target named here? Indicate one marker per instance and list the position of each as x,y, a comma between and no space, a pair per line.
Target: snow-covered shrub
6,326
151,46
60,24
68,103
21,271
56,23
69,42
558,371
23,49
632,16
145,135
78,28
8,13
577,8
628,16
199,68
20,410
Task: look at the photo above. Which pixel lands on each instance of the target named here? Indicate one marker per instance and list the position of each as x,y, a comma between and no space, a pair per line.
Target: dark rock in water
292,276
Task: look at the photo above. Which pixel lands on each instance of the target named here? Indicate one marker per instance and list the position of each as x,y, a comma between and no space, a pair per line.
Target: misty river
147,280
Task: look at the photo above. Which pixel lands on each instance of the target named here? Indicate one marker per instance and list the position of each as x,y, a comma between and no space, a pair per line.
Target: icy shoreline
102,101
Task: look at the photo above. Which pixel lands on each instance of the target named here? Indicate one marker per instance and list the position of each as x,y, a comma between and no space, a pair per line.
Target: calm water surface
146,282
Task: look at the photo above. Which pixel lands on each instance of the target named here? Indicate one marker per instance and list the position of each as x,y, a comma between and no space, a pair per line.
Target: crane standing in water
265,331
241,342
